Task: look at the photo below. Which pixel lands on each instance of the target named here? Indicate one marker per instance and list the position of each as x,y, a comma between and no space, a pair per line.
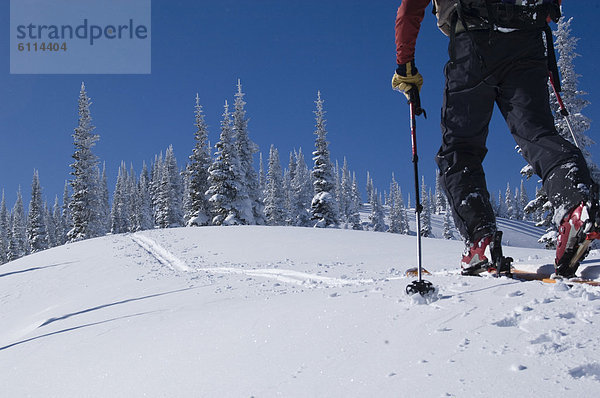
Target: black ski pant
510,70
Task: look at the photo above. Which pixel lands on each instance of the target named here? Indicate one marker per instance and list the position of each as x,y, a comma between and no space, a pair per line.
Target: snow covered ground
290,312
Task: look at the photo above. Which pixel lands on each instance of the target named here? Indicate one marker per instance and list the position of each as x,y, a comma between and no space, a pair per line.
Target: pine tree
545,212
200,161
396,221
508,203
275,213
50,226
440,196
262,177
405,221
4,235
59,229
354,204
448,224
501,212
377,217
156,173
104,213
288,192
302,193
37,235
426,213
523,201
84,204
518,213
337,180
17,246
224,174
67,220
369,186
323,206
119,216
170,193
145,201
133,199
345,199
249,207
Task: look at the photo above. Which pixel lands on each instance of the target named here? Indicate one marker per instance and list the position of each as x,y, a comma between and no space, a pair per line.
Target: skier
497,55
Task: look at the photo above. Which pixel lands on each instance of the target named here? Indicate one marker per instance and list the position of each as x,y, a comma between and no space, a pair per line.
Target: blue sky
283,52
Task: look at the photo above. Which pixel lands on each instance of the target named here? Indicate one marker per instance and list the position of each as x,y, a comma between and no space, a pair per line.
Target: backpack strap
552,64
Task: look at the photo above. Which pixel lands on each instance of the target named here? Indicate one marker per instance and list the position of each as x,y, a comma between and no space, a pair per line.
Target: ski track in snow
163,256
170,260
289,276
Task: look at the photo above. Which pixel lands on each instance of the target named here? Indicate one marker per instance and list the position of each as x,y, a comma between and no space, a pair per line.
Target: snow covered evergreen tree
50,226
545,212
323,206
403,209
58,230
67,220
376,216
396,213
146,220
249,207
440,196
369,186
354,205
288,192
84,204
134,201
302,193
17,246
426,213
224,175
448,223
262,176
170,193
345,198
119,216
518,213
104,209
200,161
337,190
37,235
508,203
275,213
523,201
4,235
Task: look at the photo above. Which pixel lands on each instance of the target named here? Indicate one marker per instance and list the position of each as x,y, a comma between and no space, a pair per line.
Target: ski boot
474,261
578,229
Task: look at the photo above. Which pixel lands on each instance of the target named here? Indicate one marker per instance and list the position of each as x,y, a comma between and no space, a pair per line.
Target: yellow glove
407,76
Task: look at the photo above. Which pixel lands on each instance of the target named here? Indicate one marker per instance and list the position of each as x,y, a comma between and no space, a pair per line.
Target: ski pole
563,108
419,286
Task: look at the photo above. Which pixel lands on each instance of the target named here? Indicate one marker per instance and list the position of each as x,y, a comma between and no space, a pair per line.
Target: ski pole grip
415,99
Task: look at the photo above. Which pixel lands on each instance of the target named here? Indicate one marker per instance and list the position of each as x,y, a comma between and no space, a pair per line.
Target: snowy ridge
282,311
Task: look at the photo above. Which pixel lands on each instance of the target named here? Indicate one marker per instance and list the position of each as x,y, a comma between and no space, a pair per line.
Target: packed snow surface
290,312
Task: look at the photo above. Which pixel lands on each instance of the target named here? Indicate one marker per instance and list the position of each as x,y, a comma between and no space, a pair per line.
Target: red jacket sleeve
408,21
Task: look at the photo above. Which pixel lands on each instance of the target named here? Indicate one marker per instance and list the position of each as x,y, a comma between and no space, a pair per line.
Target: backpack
485,14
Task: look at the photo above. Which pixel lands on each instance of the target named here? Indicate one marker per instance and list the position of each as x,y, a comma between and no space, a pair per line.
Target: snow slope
291,312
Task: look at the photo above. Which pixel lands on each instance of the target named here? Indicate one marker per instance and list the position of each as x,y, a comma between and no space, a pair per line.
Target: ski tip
412,272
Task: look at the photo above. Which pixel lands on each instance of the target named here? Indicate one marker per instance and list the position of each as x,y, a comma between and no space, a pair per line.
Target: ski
548,277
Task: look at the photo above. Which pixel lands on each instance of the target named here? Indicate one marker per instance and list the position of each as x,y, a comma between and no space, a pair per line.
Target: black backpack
510,14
